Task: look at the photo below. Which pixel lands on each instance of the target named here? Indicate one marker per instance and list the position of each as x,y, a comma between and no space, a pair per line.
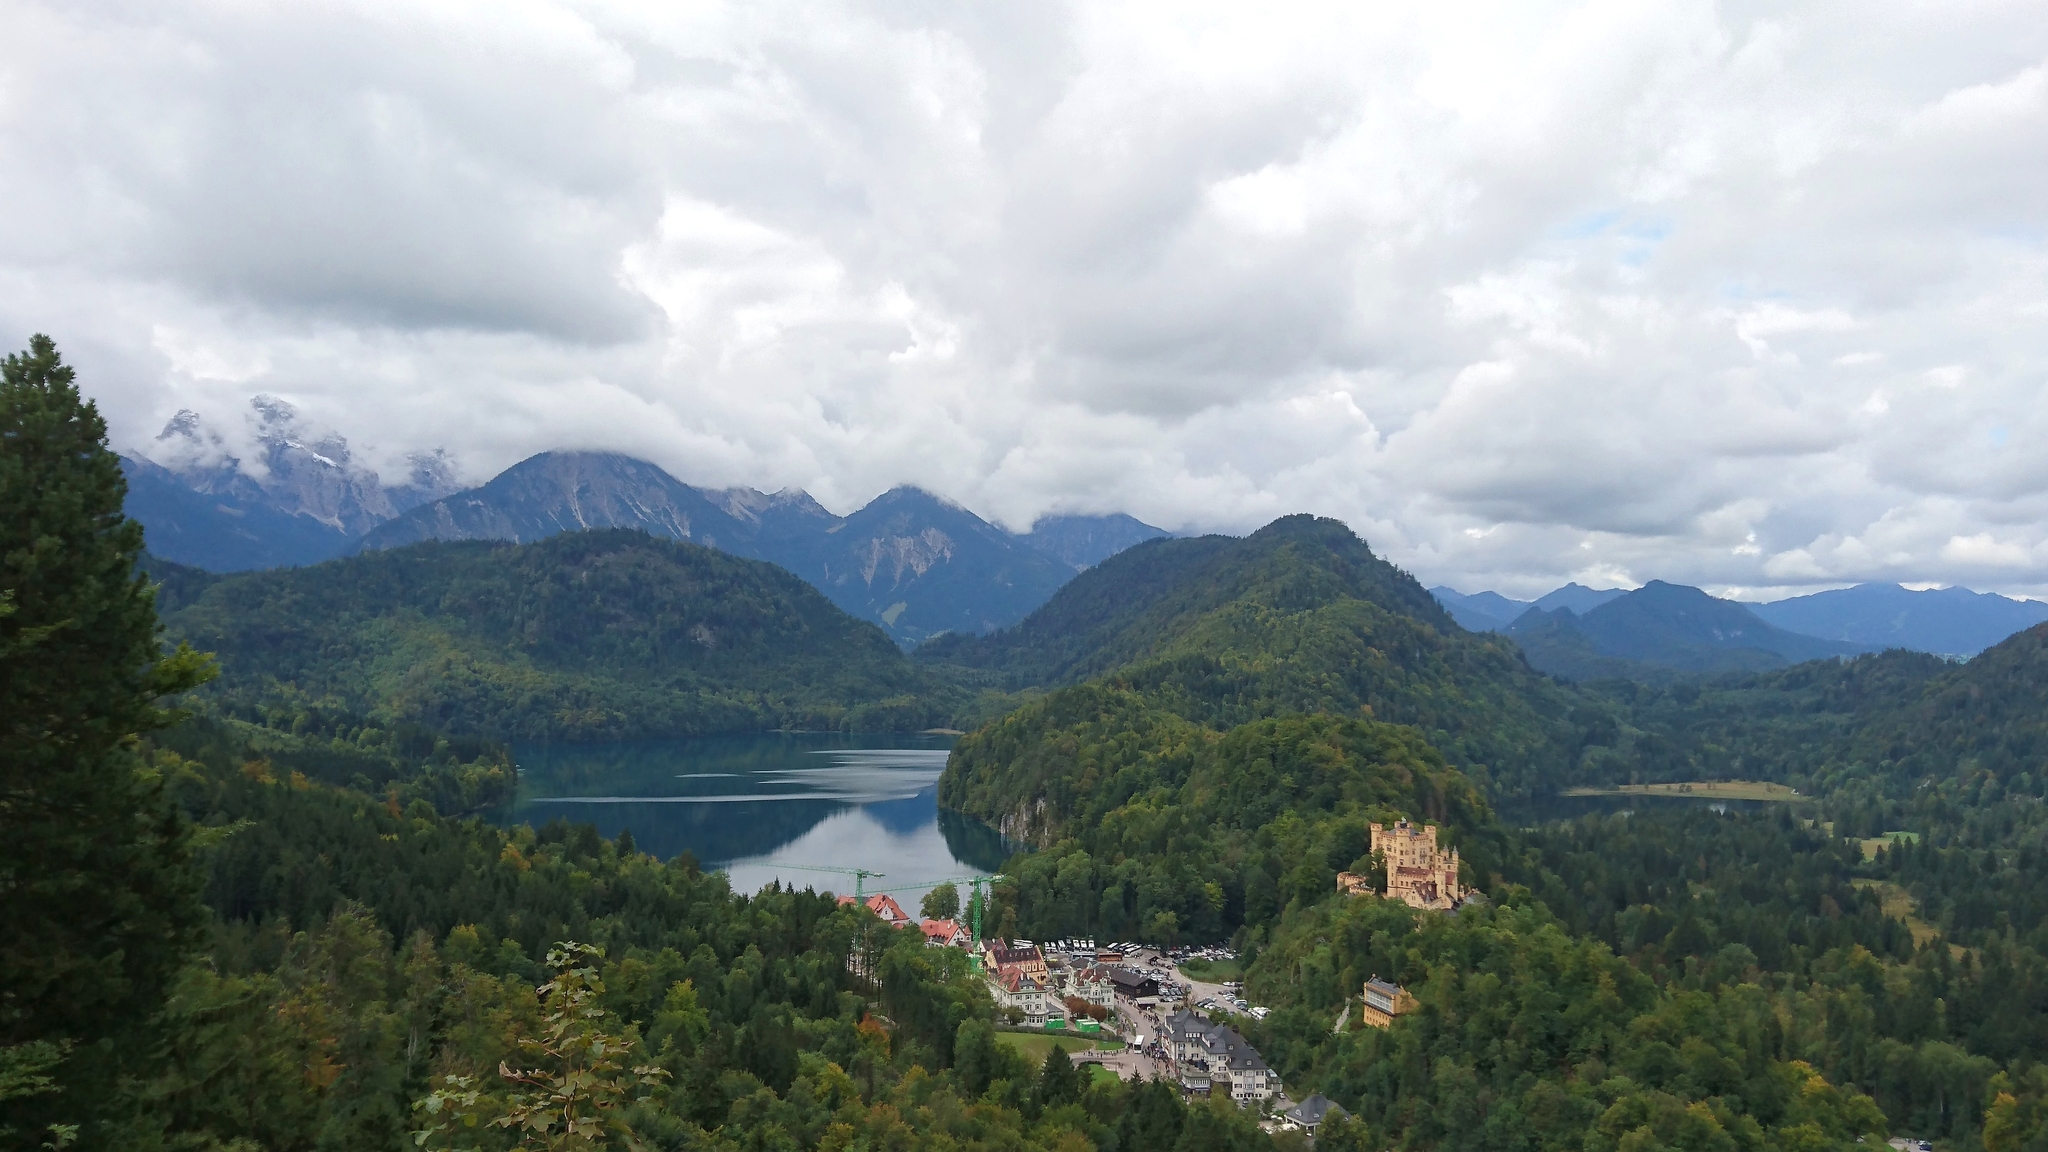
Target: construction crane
860,875
975,899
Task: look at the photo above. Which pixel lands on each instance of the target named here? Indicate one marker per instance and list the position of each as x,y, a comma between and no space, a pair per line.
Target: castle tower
1419,874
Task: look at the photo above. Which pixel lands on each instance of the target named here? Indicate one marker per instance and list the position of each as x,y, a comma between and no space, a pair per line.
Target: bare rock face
297,470
568,492
292,494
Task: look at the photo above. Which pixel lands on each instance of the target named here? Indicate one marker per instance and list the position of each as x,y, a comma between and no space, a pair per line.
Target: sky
1749,297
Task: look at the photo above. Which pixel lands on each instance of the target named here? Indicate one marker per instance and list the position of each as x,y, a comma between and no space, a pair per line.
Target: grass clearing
1101,1075
1701,790
1212,971
1871,845
1898,904
1034,1046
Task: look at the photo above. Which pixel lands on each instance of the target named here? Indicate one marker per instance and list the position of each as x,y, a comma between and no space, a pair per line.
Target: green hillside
593,635
1157,597
1299,617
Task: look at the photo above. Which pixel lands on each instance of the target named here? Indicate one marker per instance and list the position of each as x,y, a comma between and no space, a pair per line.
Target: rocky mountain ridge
914,563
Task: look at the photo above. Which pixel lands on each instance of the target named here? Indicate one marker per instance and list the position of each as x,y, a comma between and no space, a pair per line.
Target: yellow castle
1419,874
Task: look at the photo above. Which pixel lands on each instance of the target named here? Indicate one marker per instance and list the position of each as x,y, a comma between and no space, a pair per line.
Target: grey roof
1127,978
1224,1045
1314,1110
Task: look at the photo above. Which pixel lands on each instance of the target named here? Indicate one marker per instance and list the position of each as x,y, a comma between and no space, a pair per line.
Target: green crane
860,875
977,898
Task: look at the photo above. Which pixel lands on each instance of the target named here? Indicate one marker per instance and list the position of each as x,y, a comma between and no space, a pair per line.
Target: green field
1700,790
1212,971
1035,1045
1873,843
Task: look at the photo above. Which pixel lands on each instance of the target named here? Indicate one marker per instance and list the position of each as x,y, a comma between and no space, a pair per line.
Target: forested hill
593,635
1144,600
1299,617
1885,726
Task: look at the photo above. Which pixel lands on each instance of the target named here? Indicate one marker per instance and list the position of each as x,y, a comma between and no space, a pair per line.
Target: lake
769,806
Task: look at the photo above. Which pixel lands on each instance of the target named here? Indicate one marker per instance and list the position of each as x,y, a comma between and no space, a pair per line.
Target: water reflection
759,806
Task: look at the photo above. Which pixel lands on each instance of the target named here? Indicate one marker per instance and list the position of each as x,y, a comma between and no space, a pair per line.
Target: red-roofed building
944,934
884,905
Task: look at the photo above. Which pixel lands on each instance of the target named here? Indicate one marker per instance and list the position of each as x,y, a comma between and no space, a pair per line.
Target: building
1184,1030
1352,884
1236,1065
1092,984
944,933
998,954
1309,1115
1013,987
1419,874
1385,1000
1131,983
1214,1057
884,905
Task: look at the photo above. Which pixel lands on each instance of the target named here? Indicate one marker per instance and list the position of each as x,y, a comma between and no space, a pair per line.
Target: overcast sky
1734,296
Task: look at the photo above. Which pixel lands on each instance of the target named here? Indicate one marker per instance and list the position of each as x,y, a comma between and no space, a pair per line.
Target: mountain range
1662,629
914,563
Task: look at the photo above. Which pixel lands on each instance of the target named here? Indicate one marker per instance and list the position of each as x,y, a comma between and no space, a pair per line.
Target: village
1170,1025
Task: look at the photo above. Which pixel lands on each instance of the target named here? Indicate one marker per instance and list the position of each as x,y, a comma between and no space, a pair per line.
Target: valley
1731,902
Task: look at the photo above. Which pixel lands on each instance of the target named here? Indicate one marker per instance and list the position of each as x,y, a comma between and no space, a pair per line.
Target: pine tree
99,899
1059,1082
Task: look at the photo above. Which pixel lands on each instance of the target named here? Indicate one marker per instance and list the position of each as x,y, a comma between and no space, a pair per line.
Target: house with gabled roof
1210,1057
1310,1113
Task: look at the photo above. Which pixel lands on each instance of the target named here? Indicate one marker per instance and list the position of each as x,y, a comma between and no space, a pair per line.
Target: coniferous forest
251,903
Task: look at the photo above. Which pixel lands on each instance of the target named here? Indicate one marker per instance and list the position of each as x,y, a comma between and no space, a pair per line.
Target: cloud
1523,292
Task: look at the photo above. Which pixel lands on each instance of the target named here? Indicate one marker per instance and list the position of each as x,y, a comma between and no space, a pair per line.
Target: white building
1210,1057
1092,984
1014,987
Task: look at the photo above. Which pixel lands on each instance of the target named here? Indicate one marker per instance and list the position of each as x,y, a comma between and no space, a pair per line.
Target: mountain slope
920,566
590,635
909,561
1081,542
569,492
1299,617
1094,622
1578,598
1493,612
1945,621
297,472
1670,626
1480,611
227,532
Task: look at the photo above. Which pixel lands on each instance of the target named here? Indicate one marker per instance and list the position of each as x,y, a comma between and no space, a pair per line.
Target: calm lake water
758,806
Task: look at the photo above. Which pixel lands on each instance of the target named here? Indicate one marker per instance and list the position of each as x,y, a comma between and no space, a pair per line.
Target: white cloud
1526,292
